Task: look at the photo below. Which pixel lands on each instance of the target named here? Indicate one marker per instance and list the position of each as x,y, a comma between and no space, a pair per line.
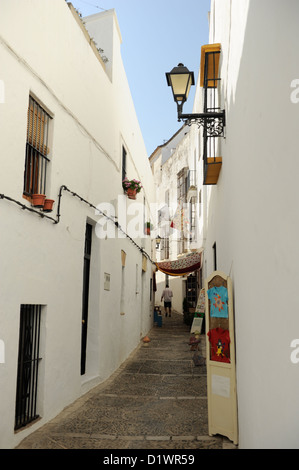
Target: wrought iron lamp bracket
214,123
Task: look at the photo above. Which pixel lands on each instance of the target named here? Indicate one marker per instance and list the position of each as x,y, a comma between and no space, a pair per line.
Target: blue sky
157,35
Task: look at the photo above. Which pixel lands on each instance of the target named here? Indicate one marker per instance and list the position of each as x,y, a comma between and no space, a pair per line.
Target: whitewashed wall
252,212
42,262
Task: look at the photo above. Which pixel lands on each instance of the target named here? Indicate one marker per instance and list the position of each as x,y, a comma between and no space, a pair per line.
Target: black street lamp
158,241
181,79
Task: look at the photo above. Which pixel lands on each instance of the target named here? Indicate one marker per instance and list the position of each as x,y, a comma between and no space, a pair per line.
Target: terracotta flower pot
48,206
131,193
38,200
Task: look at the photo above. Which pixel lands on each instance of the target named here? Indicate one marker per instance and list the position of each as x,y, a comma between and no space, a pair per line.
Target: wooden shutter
36,149
37,127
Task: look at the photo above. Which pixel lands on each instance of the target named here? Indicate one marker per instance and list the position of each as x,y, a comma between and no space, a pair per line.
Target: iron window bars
37,149
124,163
210,84
182,189
28,363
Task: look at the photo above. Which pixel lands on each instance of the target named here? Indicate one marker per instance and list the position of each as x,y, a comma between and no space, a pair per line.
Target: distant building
179,220
76,287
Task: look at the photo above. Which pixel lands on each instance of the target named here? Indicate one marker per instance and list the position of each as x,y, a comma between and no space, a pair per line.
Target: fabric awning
180,267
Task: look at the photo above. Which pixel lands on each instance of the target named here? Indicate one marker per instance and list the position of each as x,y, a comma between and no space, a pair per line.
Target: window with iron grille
28,364
37,150
191,290
182,244
165,248
182,185
182,199
124,163
192,218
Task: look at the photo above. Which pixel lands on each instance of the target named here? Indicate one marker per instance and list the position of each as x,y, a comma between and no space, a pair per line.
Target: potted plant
131,187
38,200
148,228
48,205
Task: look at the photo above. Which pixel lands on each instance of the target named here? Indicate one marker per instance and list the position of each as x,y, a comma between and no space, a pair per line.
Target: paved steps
157,399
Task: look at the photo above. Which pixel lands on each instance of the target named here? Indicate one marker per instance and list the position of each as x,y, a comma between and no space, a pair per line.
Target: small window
191,290
192,218
28,365
124,163
37,150
167,199
215,256
166,248
182,185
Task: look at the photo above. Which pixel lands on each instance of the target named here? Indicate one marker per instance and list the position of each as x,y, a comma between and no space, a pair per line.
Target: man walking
167,295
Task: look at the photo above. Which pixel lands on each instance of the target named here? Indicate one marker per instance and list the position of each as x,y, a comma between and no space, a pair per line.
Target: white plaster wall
42,263
104,36
251,211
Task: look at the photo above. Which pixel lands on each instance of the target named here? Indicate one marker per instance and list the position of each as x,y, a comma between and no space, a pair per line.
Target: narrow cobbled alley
157,399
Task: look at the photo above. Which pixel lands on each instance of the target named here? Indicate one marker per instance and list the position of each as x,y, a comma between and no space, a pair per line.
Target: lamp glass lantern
158,241
180,79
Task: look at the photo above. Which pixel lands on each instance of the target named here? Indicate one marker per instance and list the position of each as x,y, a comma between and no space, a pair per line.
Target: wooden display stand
221,371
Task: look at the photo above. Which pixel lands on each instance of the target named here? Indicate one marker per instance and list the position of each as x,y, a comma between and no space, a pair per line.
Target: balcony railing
210,80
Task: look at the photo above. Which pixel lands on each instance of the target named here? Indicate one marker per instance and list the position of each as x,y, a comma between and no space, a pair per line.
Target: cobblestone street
157,399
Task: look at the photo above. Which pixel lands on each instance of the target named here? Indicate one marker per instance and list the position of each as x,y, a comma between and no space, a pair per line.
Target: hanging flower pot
131,193
131,187
48,206
148,228
38,200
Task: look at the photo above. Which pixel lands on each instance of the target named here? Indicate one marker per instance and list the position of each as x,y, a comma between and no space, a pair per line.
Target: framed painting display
221,364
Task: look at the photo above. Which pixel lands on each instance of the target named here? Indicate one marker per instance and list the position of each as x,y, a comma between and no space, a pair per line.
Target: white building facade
251,227
179,224
76,287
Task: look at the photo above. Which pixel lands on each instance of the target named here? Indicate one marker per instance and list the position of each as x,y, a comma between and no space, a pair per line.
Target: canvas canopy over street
179,267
